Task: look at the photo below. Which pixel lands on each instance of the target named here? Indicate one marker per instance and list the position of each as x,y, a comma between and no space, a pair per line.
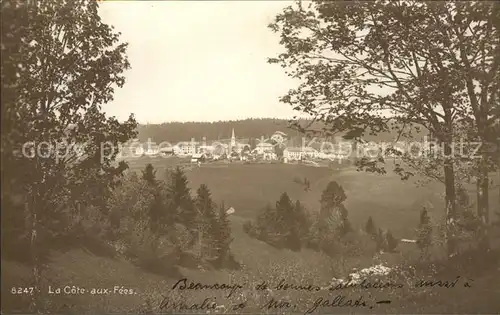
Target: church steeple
233,139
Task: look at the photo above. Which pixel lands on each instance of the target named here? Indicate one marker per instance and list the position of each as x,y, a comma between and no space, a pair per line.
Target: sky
198,60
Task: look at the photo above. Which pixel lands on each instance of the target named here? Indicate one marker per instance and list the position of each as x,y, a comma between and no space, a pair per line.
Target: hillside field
394,204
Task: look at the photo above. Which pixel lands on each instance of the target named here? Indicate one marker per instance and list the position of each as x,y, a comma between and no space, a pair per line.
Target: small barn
198,157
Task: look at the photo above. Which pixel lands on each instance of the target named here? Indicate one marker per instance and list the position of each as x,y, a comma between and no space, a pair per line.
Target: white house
270,156
263,147
185,148
293,154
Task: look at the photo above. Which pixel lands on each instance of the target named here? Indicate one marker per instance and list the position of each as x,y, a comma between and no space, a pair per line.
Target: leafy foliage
283,226
384,66
60,64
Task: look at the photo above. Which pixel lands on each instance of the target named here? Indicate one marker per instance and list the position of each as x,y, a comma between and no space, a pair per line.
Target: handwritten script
332,296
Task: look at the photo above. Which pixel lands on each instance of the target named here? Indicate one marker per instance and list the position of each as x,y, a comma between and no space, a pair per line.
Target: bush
391,242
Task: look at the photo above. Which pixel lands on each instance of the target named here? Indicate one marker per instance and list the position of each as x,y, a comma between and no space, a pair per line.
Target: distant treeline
247,128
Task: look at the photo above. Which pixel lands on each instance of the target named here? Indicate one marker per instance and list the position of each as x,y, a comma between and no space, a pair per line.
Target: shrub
391,242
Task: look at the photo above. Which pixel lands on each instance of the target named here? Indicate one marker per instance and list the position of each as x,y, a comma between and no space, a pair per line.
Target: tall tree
180,202
370,227
333,222
266,222
285,219
394,65
332,210
149,174
331,197
391,241
157,208
60,63
285,209
207,225
223,236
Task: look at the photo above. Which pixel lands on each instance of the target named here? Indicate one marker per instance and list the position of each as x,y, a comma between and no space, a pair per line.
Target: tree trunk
450,200
483,201
35,259
498,166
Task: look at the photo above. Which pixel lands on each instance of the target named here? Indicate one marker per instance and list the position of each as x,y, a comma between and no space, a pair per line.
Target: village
275,148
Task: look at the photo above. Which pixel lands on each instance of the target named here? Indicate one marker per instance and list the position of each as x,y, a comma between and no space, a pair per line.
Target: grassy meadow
393,203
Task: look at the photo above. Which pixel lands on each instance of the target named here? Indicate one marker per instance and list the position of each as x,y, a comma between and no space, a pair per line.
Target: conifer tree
207,223
265,223
180,203
155,213
223,236
333,212
370,227
285,223
332,196
391,242
149,174
157,206
285,211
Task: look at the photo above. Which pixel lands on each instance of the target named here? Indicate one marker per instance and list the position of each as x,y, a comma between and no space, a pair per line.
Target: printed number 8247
19,290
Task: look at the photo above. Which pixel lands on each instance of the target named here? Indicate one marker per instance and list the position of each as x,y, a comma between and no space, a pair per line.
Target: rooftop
264,144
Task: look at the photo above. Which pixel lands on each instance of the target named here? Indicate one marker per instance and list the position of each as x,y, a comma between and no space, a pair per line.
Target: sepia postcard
250,157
